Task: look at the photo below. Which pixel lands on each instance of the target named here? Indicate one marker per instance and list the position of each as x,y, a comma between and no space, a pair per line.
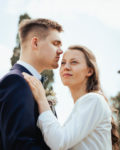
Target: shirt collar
30,68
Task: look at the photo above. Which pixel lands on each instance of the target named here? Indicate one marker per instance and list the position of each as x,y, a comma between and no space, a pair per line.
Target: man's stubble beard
55,66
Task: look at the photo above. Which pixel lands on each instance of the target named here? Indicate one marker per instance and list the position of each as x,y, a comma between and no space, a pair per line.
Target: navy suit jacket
18,114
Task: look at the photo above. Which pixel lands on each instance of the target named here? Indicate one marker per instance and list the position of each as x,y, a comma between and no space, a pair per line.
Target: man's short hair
39,27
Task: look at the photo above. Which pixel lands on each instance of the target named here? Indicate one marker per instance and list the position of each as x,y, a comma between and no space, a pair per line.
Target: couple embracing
26,120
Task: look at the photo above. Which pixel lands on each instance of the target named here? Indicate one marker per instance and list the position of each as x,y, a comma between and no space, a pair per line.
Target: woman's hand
36,87
38,92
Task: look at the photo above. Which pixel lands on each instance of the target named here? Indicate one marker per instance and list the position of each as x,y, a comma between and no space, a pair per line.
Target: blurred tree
116,104
16,50
16,54
49,75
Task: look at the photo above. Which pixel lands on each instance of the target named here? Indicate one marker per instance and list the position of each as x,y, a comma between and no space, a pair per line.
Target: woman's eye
62,63
74,62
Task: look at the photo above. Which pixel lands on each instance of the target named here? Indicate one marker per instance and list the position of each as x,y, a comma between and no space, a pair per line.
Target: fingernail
24,74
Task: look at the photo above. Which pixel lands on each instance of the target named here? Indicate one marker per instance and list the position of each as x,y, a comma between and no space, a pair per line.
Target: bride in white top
89,125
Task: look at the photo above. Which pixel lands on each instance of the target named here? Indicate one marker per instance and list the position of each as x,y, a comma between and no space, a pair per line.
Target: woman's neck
77,92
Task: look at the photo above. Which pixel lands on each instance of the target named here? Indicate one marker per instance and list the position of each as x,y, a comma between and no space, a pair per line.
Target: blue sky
95,24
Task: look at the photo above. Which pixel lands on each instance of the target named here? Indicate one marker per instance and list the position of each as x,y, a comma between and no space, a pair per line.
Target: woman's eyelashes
71,62
74,62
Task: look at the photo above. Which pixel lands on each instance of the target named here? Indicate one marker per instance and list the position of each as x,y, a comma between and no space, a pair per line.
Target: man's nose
59,51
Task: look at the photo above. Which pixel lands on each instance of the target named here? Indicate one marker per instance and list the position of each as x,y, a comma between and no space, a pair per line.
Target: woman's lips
67,75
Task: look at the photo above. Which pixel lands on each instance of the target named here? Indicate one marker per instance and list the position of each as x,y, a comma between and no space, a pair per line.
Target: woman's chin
66,83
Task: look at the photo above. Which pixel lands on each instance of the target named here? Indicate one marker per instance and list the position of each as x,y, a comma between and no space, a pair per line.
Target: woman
89,125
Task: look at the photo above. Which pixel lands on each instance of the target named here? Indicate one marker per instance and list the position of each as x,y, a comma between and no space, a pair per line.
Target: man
40,50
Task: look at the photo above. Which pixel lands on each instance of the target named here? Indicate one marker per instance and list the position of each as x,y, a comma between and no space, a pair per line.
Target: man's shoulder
13,83
12,76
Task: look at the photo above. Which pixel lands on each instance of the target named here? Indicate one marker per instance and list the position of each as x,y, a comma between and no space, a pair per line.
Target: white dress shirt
30,68
87,128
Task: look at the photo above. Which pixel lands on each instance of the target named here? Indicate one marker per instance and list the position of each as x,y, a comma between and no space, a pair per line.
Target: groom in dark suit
40,50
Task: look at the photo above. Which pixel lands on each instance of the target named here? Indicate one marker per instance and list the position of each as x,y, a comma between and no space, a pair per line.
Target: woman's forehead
73,54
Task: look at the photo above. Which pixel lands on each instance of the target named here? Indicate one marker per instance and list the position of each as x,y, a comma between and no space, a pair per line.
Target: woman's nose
67,66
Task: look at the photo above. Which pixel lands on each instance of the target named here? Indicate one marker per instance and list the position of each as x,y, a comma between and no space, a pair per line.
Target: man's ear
34,43
90,72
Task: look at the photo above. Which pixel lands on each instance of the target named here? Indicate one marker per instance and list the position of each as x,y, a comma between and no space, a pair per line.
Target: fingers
32,81
28,79
35,86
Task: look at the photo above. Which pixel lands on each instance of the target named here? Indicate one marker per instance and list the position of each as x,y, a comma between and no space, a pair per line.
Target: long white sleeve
88,113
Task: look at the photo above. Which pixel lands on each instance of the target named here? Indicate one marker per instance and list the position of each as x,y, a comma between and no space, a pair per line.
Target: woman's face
74,70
